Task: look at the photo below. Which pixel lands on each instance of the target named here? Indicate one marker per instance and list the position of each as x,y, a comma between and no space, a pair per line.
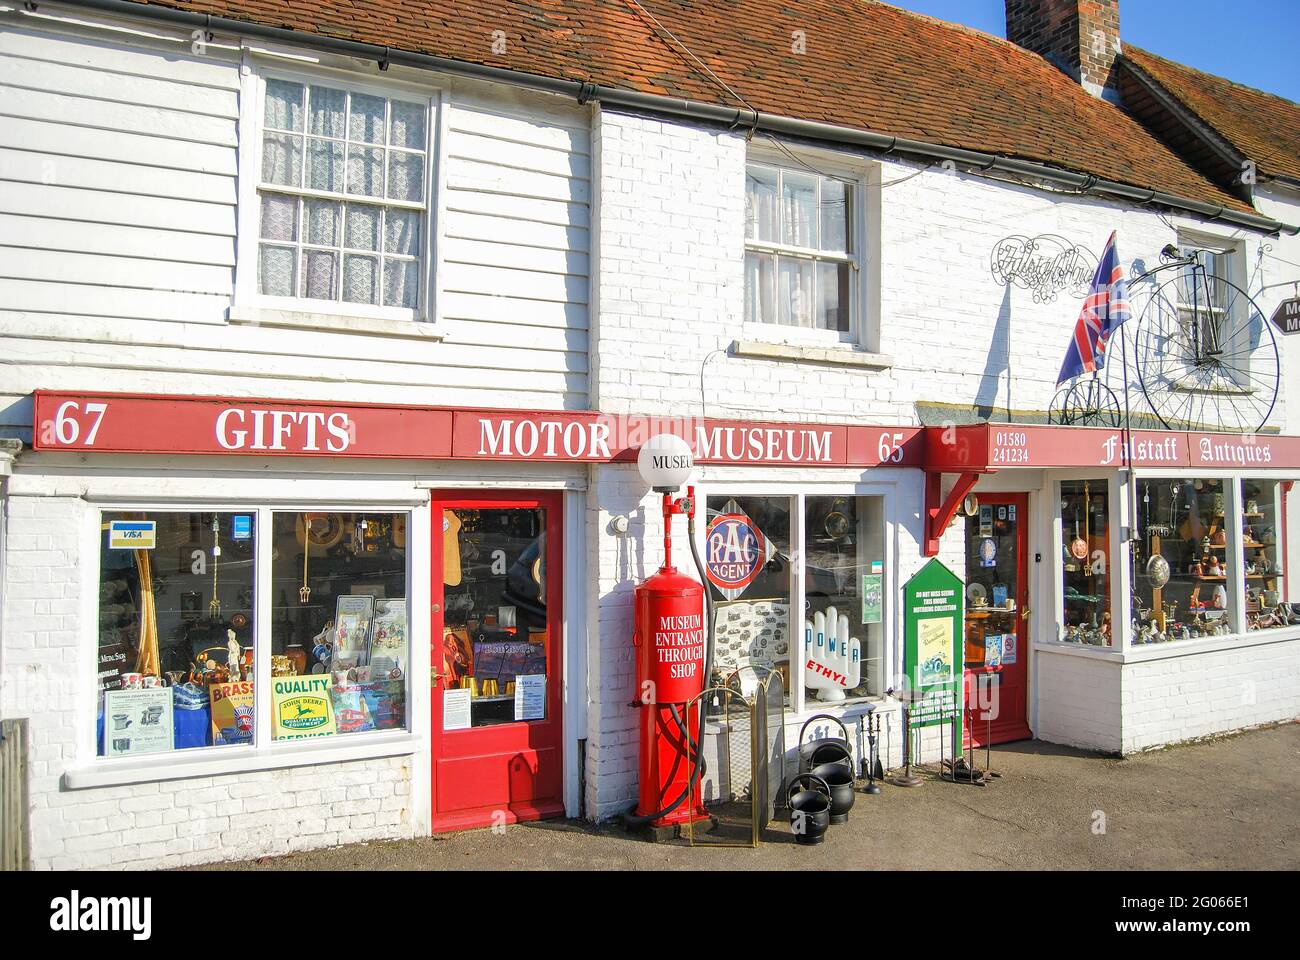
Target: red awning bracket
938,516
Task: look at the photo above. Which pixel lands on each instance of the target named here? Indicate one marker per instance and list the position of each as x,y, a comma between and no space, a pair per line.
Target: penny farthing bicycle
1203,353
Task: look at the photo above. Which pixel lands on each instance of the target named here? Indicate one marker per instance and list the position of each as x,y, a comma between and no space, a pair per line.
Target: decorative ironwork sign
1047,265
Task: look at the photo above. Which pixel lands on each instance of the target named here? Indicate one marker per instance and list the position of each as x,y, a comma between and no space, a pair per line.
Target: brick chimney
1081,37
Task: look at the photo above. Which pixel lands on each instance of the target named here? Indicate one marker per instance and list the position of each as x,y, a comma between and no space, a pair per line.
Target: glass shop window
1085,561
1182,561
340,645
176,631
1260,527
748,555
843,632
496,628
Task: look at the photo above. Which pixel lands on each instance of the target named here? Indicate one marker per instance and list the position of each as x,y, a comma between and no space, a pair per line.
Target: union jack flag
1105,308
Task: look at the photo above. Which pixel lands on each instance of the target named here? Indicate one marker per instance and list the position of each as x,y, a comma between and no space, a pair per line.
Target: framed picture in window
353,618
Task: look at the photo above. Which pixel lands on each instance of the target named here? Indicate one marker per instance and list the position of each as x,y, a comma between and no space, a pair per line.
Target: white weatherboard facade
579,258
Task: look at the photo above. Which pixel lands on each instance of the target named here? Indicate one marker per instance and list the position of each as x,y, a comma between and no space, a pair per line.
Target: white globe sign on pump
665,462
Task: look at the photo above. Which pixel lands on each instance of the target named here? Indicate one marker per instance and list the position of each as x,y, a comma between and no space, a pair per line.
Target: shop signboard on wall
1046,265
1287,316
138,423
933,614
991,447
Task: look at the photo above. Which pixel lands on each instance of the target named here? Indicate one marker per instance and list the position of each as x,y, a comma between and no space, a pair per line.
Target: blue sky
1250,41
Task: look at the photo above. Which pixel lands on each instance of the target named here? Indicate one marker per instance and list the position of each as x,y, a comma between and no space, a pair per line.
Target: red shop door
497,757
997,625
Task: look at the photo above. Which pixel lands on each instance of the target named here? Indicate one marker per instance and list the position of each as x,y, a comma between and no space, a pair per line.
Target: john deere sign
933,614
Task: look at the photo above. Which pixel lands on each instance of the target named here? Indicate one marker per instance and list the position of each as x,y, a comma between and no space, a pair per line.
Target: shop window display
1183,561
1085,562
748,558
1261,536
496,636
843,631
339,624
176,631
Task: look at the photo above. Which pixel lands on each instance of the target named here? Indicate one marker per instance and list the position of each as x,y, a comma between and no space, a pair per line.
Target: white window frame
797,492
250,303
265,752
864,233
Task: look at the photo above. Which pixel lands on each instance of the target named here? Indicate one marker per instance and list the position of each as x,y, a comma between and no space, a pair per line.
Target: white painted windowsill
1144,652
336,323
842,356
218,761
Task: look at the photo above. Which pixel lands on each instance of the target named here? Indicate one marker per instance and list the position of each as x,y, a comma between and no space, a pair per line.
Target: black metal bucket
839,779
824,750
810,809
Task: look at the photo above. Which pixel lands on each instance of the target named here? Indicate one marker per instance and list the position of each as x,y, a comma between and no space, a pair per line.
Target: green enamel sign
934,606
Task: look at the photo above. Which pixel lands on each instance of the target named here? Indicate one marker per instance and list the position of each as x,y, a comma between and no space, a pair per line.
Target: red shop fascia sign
152,424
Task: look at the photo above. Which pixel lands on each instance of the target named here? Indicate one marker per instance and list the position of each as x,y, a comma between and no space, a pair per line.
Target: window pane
401,283
279,217
1181,537
408,125
176,631
366,121
496,627
282,159
363,226
361,279
405,176
328,108
836,215
836,296
325,165
318,271
340,650
366,171
760,203
748,546
798,209
1260,525
402,232
283,105
323,218
275,270
1085,561
796,299
843,630
760,279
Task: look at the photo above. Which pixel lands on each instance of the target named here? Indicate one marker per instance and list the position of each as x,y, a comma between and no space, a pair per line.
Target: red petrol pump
672,637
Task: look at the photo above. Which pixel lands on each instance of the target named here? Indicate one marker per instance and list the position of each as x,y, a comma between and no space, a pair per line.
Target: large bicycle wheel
1205,356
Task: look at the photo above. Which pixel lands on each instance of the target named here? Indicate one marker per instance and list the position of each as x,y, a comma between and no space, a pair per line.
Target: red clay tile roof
868,65
1264,127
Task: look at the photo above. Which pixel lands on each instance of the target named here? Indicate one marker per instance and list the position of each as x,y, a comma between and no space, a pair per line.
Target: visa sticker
242,528
132,534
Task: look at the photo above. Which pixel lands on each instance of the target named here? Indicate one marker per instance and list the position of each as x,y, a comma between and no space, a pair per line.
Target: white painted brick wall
1181,698
1079,700
158,824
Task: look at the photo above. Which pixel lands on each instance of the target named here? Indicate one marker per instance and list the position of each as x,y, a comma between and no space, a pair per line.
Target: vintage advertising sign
1287,316
137,721
934,607
735,551
232,712
132,534
302,707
